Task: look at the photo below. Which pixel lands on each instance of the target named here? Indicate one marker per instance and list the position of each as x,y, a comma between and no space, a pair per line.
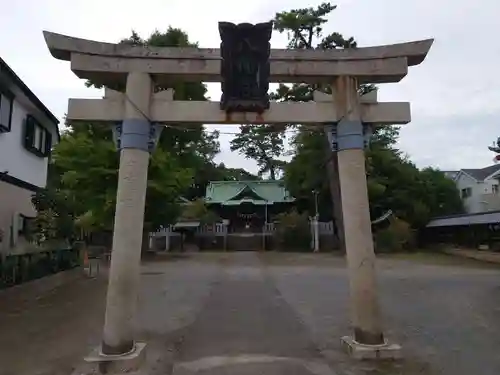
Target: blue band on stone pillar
350,135
137,133
367,134
331,133
346,135
154,136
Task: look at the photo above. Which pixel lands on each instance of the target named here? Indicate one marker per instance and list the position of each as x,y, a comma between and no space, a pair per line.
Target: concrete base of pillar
117,364
361,351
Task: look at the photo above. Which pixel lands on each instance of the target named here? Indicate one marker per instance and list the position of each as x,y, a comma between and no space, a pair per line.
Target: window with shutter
6,105
48,143
37,139
29,132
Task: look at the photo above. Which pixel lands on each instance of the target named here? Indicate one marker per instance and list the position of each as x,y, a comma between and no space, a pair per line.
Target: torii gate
133,71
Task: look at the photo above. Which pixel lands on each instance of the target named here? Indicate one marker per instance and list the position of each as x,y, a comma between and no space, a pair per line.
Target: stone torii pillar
134,144
135,138
350,136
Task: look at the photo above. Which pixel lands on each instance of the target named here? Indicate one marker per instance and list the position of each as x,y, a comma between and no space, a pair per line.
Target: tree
215,172
198,211
55,216
193,146
188,141
443,197
293,231
86,159
263,144
236,174
304,28
393,181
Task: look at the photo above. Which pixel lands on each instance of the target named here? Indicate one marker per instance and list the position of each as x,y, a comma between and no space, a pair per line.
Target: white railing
269,228
220,229
325,227
217,229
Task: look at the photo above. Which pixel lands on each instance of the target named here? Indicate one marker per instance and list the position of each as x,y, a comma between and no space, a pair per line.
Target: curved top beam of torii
109,63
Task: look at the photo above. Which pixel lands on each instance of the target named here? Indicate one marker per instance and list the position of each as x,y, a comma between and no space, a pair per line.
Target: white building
28,130
479,188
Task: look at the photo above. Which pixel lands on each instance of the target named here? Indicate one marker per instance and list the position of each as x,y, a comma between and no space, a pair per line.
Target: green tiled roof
257,192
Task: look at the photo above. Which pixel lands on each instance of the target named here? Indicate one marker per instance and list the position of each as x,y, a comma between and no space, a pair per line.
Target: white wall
477,202
487,186
465,181
14,158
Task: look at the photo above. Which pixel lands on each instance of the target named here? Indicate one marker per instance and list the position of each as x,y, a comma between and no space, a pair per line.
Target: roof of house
482,173
257,192
7,70
490,217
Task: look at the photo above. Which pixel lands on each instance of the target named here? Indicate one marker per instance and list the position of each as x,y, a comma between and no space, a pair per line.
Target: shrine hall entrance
248,206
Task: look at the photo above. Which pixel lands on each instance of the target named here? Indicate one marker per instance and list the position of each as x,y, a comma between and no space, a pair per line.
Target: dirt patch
52,330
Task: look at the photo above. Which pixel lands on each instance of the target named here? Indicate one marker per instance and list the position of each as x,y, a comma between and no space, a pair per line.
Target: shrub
198,211
293,232
398,236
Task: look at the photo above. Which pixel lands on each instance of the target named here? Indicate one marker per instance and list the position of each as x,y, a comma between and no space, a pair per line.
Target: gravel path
446,316
247,327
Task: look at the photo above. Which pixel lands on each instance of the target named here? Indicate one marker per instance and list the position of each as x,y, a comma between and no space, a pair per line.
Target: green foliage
85,162
45,226
89,173
307,170
198,211
88,170
20,268
303,25
84,166
55,216
414,196
262,143
393,181
398,236
265,143
213,172
293,231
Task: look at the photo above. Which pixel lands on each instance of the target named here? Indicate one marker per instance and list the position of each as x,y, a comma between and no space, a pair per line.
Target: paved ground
244,313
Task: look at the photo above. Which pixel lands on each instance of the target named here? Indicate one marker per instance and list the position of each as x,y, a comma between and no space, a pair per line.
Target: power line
181,128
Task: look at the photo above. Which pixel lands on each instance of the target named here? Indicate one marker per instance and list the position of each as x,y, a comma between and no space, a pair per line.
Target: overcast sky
455,93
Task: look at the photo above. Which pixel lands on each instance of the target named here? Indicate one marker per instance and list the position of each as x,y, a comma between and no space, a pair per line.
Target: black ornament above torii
245,69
